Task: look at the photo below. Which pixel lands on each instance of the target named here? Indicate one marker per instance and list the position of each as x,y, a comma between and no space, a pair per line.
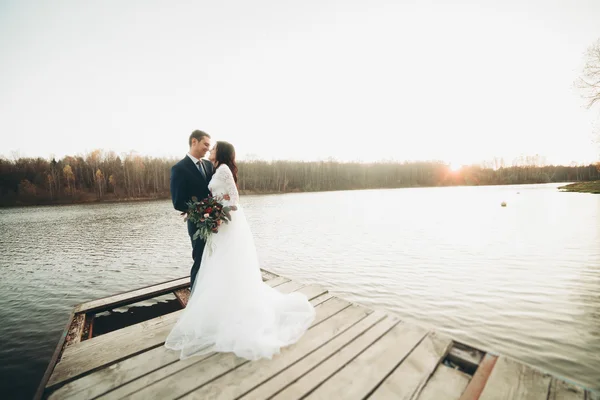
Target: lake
521,280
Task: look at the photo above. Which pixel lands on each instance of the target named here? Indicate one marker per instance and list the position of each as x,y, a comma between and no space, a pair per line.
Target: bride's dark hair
226,155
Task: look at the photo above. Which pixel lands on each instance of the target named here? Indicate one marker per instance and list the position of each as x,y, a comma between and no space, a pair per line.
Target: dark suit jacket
187,181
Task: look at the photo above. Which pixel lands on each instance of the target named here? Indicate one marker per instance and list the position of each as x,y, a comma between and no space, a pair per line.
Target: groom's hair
198,135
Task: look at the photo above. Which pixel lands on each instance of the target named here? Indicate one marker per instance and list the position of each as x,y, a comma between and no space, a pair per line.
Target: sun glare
455,167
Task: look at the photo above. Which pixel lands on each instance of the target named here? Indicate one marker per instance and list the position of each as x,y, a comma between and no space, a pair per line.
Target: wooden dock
350,352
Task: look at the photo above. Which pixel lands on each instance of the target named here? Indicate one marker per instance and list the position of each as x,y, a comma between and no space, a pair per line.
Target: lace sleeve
226,177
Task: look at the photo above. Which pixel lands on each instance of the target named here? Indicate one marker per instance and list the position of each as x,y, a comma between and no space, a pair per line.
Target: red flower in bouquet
208,215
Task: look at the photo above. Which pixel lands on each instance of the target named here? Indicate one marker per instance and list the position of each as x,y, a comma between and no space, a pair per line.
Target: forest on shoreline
100,176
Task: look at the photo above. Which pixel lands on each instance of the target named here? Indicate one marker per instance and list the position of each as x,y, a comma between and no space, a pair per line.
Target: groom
190,177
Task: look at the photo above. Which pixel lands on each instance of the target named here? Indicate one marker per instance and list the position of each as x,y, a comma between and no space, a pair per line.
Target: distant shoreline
107,178
580,187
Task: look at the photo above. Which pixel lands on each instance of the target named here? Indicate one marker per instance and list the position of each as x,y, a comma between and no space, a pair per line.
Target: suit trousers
197,251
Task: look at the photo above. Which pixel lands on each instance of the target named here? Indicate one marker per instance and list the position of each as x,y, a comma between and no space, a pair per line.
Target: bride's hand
226,197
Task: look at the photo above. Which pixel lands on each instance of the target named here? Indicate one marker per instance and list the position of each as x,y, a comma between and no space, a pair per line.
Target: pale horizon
364,81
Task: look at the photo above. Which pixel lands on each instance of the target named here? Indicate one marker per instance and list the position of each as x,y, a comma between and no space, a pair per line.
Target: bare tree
69,177
100,182
589,81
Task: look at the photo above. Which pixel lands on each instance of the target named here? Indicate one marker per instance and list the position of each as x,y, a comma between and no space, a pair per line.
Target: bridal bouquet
208,215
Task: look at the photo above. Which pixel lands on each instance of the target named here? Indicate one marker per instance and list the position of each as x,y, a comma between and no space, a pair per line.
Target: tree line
100,176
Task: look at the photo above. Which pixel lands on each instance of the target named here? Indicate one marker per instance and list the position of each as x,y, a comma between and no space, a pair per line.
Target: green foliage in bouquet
207,215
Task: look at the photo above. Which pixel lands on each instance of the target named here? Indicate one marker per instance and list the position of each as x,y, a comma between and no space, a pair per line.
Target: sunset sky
459,81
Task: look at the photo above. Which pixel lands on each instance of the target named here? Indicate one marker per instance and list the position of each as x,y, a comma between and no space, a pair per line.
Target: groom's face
201,147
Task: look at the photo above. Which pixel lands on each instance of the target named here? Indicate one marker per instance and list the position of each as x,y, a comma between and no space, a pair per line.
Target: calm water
522,280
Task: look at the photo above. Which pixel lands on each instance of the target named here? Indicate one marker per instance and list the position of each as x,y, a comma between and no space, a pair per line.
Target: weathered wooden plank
114,346
130,369
147,292
308,382
513,380
348,354
88,327
561,390
109,351
409,378
55,356
136,372
330,308
112,337
276,282
466,357
146,333
312,291
479,380
242,379
266,275
182,295
320,298
106,379
289,286
93,345
367,330
132,296
75,330
445,383
365,372
202,373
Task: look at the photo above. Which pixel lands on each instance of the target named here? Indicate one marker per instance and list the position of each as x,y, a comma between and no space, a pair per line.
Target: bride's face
213,155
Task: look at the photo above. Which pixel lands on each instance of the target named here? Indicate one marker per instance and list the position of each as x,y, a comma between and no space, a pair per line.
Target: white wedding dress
231,309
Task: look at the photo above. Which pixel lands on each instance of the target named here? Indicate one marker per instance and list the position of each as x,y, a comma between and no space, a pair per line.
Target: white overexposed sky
459,81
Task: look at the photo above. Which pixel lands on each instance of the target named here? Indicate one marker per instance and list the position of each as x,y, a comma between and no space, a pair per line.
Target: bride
230,308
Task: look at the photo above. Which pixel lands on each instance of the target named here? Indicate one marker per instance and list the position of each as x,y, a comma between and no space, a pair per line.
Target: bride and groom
230,308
